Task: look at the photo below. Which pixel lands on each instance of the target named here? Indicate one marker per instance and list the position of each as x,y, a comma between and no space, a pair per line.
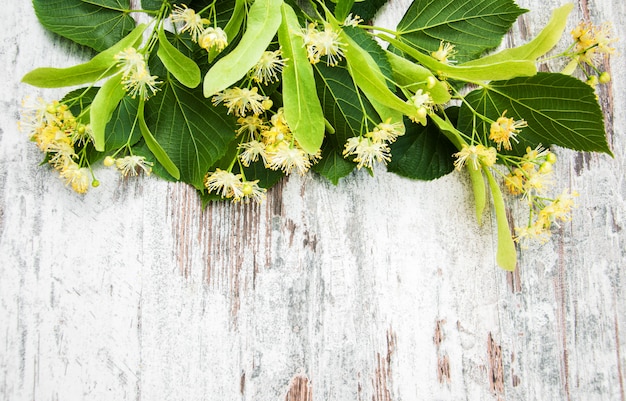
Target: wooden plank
377,289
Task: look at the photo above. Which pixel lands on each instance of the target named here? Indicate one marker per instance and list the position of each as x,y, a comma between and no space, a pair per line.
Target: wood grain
378,289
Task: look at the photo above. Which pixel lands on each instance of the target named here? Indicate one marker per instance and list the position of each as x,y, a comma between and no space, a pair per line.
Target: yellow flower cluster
131,164
136,77
374,146
532,179
57,133
504,129
475,156
232,186
273,142
591,41
207,37
323,43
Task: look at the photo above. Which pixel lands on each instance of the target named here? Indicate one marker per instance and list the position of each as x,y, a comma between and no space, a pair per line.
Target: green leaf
157,150
472,26
102,108
345,109
264,18
480,192
559,110
506,255
495,71
342,9
153,5
367,9
422,153
184,69
373,49
333,165
101,66
415,77
98,24
234,23
190,130
302,108
267,178
370,79
122,127
540,45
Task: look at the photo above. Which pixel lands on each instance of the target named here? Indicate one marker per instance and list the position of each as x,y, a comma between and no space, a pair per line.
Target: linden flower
49,135
444,53
504,129
224,183
352,21
386,131
33,115
250,124
213,38
251,152
82,134
252,191
268,67
192,21
514,181
560,208
367,152
474,156
537,230
424,103
136,77
141,84
79,178
323,43
130,61
537,181
289,158
538,155
241,100
132,165
61,153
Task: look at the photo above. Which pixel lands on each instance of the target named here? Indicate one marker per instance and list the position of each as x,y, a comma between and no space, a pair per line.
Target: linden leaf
153,5
303,111
422,153
540,45
192,132
184,69
98,24
472,26
345,109
506,255
333,165
342,9
264,17
559,110
104,104
101,66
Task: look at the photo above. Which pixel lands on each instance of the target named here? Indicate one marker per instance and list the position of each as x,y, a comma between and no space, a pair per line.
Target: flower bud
109,161
604,78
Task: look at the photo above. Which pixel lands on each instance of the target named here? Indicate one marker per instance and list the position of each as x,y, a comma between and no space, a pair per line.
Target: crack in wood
443,360
300,389
496,368
382,379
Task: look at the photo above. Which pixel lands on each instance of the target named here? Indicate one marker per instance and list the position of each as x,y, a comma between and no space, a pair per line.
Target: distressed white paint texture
377,289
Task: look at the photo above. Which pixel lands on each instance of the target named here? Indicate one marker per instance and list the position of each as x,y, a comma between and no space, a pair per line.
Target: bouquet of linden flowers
231,95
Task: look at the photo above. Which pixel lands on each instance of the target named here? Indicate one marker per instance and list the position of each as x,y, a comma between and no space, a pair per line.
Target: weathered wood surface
379,289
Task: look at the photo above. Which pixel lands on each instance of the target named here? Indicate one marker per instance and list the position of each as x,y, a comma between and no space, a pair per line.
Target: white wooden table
378,289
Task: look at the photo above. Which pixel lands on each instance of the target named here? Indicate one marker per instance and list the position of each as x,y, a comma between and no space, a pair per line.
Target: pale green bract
287,89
